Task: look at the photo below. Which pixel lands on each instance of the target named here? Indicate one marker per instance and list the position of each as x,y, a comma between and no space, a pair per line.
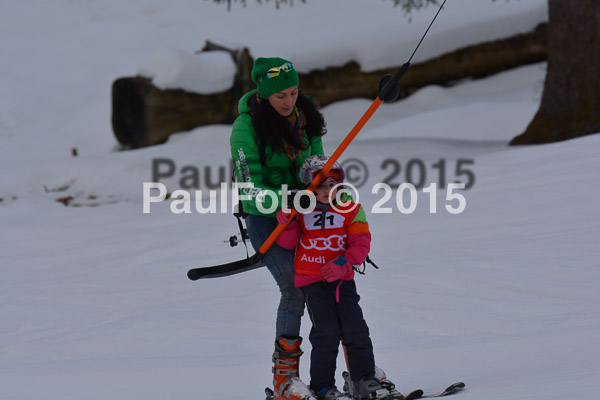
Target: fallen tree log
144,115
477,61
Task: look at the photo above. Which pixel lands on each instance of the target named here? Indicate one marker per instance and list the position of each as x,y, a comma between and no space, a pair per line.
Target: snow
94,301
173,68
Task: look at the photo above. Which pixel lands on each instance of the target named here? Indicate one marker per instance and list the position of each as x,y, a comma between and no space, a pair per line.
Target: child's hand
282,217
336,269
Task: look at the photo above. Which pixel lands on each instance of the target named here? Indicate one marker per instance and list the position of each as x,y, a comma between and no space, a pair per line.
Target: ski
414,395
269,392
395,396
449,391
419,394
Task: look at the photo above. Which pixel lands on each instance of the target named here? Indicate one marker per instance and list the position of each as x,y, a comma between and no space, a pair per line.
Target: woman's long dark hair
275,130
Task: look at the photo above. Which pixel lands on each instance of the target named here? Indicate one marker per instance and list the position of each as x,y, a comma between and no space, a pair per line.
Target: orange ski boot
286,364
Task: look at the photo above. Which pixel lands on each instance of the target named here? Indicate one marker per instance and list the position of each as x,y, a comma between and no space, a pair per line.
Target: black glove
303,198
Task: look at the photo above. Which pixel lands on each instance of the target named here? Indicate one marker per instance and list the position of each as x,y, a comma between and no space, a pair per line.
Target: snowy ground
94,301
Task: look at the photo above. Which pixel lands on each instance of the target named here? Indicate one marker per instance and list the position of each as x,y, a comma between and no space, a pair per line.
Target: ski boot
332,393
376,388
286,363
370,388
385,382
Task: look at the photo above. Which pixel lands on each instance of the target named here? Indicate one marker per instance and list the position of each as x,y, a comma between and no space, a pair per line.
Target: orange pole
317,180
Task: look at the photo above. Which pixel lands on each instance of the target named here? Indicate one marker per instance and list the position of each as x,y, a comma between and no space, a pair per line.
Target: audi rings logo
333,242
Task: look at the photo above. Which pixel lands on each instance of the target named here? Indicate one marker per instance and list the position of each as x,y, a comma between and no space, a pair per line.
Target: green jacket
278,170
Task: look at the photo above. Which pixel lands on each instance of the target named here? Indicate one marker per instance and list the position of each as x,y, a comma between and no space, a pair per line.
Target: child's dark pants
332,321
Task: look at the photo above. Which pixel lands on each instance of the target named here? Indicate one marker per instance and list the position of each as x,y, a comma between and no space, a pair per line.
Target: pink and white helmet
313,164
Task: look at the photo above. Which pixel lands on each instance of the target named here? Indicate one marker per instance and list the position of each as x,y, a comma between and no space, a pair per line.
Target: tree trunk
570,105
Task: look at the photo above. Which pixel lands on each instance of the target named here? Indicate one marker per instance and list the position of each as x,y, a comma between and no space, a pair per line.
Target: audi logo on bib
333,242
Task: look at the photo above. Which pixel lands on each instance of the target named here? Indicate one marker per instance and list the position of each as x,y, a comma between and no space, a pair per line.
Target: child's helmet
313,164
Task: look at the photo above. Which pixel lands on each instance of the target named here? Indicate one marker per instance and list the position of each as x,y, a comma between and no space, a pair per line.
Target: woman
278,128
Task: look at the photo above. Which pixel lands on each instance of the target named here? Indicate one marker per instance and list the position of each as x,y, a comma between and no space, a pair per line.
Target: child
329,240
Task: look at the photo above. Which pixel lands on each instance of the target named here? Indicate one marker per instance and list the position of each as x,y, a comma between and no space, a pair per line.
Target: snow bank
205,73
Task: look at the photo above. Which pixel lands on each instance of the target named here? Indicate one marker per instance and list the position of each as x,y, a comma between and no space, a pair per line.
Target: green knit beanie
269,86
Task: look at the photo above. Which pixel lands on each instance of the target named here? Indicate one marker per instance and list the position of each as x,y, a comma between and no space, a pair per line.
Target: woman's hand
282,217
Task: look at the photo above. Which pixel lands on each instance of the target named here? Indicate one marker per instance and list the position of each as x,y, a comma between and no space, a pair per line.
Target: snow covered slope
96,305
